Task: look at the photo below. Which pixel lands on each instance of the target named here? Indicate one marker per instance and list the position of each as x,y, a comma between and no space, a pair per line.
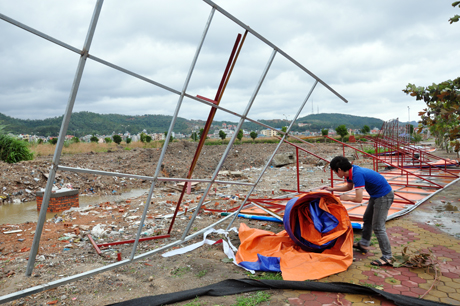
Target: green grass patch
13,150
178,272
201,273
253,299
266,275
372,150
195,302
379,287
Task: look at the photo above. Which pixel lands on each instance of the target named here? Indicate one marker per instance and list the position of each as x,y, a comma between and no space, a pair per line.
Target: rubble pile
21,181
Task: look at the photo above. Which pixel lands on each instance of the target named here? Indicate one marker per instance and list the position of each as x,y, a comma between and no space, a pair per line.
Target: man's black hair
340,162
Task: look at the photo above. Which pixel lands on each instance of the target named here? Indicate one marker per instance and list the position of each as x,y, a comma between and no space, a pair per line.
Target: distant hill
317,122
320,121
85,123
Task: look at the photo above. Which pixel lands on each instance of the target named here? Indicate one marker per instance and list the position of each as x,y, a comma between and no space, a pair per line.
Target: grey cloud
367,51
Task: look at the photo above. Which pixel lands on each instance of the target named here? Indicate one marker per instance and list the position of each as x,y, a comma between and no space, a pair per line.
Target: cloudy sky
367,51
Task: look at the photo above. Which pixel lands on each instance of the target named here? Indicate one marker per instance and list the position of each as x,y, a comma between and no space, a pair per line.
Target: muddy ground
65,249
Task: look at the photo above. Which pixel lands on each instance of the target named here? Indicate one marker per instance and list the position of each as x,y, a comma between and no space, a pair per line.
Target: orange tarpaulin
295,263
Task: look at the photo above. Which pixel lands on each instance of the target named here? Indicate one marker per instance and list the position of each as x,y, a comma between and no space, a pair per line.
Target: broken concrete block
283,159
236,173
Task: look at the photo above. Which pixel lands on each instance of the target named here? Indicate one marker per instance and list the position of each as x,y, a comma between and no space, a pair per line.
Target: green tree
456,17
342,131
222,135
416,138
148,138
200,134
443,107
442,113
324,132
194,136
53,141
366,129
171,138
142,137
40,141
253,135
284,129
94,139
411,129
239,135
108,140
128,140
117,139
75,139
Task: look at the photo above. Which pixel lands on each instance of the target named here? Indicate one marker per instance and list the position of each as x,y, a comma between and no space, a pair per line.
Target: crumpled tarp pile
317,240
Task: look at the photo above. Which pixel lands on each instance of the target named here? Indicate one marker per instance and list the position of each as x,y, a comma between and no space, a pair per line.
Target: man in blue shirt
381,198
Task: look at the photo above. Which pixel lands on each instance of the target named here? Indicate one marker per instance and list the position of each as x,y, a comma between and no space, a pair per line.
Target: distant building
268,133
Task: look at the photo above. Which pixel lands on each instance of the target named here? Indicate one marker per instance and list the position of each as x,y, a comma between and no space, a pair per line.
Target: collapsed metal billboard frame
84,54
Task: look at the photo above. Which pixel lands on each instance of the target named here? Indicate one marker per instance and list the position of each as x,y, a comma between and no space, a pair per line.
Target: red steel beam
223,83
101,245
98,251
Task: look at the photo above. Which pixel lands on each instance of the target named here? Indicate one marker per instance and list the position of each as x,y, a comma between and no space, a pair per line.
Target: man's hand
327,188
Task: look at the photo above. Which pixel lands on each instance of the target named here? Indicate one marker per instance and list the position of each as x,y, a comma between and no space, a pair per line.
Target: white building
269,133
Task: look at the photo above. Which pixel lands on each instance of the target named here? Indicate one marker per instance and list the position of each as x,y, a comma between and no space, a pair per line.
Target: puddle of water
27,211
447,207
446,221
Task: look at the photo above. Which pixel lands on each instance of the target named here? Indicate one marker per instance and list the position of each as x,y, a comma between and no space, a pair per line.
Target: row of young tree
342,131
222,135
115,138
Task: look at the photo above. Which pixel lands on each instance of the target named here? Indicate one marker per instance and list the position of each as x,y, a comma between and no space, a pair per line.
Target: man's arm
347,187
358,198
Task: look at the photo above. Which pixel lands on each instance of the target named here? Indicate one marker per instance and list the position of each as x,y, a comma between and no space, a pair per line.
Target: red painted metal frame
98,251
102,245
390,137
401,172
268,202
207,99
297,168
405,201
404,149
223,83
386,162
